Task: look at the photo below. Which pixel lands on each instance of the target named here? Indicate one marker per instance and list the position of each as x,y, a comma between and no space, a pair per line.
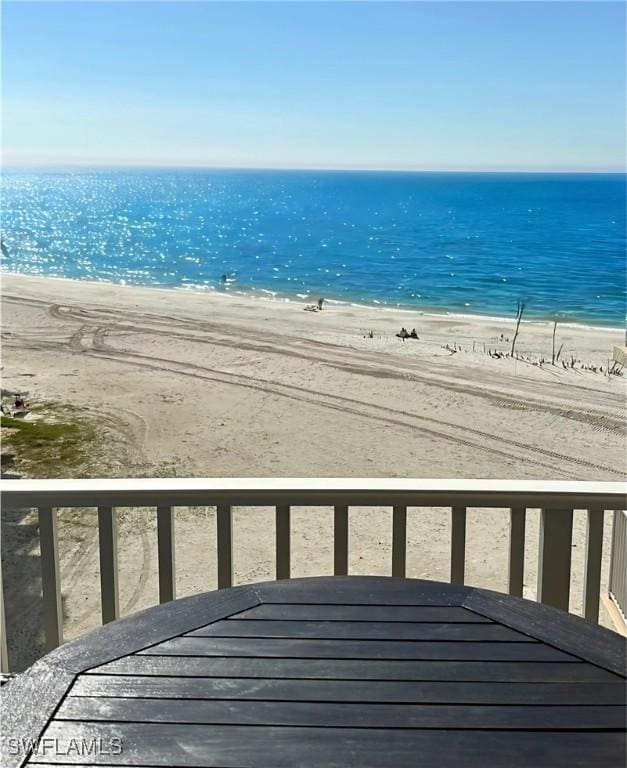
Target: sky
408,85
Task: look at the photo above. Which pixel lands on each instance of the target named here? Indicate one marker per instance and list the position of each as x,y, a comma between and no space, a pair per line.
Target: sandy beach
198,384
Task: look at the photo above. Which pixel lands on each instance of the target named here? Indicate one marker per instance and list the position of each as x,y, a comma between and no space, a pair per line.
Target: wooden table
345,671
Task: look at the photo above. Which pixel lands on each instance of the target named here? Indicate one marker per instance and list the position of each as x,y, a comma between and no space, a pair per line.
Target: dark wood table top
344,671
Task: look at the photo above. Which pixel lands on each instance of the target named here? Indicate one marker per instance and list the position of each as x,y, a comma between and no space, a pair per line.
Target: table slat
231,746
343,715
401,691
326,612
355,669
343,630
357,649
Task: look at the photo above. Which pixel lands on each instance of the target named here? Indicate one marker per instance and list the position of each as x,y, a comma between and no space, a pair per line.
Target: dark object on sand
20,407
314,307
413,334
403,334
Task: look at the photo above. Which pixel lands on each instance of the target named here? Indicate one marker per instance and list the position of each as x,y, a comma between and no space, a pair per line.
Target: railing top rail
313,491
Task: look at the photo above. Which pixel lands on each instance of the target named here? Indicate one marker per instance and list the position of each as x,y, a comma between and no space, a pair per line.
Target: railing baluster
108,546
50,577
614,553
621,580
618,566
592,574
517,520
165,553
224,531
282,534
340,540
458,544
554,557
4,653
399,541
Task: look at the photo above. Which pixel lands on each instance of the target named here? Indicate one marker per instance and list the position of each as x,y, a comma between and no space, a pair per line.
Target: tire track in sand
350,405
312,397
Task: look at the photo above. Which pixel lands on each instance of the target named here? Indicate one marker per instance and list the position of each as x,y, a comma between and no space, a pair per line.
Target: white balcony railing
556,500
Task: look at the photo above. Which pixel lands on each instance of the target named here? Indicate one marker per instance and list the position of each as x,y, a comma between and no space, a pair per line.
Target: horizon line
296,168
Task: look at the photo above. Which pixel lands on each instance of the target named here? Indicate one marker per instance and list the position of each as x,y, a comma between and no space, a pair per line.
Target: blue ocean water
471,243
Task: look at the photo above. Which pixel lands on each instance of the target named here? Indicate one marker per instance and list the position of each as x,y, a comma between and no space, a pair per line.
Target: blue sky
441,85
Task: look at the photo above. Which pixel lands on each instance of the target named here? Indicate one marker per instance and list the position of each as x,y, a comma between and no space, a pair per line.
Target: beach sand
208,384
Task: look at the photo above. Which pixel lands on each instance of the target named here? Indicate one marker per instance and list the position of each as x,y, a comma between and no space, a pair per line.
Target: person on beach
403,334
413,334
320,303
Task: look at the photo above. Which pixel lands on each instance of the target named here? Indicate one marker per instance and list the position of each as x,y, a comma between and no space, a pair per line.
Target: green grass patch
38,432
48,449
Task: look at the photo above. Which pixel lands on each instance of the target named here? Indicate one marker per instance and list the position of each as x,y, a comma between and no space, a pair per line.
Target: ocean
458,242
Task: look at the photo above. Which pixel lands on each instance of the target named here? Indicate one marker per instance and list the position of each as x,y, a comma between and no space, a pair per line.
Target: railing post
613,564
224,535
4,652
165,554
340,540
517,520
108,546
282,541
399,541
50,578
458,544
554,556
594,554
618,562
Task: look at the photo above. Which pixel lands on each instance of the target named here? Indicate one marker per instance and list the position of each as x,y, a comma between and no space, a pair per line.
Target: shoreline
277,297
